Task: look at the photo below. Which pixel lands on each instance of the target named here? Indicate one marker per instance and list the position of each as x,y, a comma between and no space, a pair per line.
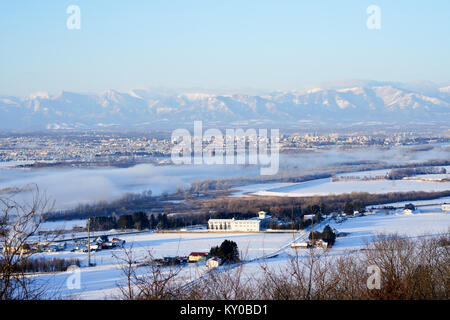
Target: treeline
357,178
137,220
45,265
144,221
287,208
397,174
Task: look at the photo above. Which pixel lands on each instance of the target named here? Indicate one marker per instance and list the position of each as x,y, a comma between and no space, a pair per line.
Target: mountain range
367,102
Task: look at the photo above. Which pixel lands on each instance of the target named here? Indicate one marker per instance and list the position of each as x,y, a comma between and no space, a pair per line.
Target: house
197,256
446,207
118,242
92,247
171,261
409,208
214,262
107,245
300,245
23,249
321,244
55,247
102,239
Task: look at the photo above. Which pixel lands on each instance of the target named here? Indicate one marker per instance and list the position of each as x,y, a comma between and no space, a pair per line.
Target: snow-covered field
62,225
252,188
438,201
431,221
322,187
101,281
102,278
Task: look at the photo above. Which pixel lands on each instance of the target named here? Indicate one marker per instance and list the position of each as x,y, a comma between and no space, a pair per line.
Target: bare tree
227,282
19,223
410,269
149,279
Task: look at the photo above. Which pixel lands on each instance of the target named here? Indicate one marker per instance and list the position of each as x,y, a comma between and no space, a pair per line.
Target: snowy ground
252,188
103,278
436,202
62,225
101,281
322,187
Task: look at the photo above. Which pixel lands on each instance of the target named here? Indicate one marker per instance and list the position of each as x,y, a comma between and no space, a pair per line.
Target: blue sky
218,44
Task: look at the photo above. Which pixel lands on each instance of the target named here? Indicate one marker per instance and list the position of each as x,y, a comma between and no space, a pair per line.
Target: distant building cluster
89,147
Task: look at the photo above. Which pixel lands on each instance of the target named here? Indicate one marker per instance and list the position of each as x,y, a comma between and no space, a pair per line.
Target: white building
446,207
263,215
408,211
300,245
251,225
213,263
234,225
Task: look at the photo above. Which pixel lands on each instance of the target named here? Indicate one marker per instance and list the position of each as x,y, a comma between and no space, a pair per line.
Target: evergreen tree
328,235
227,252
125,222
152,222
348,208
140,221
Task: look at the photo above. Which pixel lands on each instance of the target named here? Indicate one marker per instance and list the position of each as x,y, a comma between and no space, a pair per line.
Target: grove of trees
228,252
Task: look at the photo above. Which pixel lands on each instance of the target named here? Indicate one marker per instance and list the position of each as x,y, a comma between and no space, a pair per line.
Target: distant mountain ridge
369,102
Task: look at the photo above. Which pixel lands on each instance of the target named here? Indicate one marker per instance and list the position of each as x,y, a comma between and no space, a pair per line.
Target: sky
274,45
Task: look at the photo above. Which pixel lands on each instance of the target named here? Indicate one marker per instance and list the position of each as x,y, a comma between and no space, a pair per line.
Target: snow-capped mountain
364,102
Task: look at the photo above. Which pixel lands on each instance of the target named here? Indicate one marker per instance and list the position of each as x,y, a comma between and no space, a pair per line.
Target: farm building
213,262
300,245
197,256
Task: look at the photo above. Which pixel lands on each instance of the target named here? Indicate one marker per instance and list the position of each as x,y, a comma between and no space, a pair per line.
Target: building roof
198,254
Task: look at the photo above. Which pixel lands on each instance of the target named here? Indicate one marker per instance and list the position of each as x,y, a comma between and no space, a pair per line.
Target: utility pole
89,241
292,218
312,231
